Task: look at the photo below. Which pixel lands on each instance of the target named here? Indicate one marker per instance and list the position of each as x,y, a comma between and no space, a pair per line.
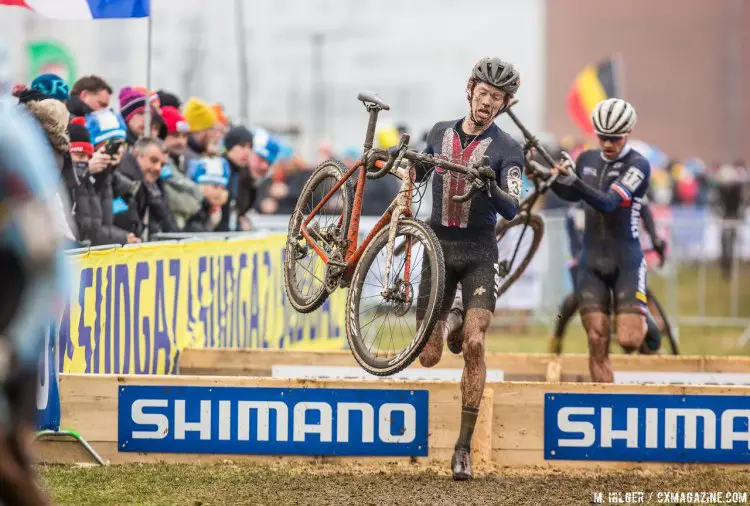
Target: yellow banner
132,310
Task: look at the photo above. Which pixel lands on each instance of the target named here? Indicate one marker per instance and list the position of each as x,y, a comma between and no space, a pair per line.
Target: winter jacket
183,195
242,195
94,203
204,220
147,207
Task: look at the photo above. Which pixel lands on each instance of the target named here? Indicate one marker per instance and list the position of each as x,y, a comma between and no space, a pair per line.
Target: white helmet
613,116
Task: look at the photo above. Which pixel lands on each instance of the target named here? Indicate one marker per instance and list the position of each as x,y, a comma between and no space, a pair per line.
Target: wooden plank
516,366
518,410
68,452
509,431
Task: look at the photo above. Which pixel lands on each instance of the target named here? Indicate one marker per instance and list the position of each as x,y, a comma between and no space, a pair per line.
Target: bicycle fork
397,212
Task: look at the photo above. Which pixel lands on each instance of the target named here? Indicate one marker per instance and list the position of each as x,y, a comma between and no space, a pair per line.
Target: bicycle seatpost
371,124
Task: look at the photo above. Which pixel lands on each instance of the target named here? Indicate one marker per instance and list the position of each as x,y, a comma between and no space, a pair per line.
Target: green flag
48,57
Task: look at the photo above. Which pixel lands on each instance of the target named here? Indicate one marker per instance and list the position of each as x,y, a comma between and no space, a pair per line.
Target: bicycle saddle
372,98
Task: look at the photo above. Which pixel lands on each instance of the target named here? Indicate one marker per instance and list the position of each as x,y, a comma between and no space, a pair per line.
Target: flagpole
147,126
620,65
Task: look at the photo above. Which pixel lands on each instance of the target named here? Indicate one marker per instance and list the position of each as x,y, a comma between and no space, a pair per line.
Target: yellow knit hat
199,115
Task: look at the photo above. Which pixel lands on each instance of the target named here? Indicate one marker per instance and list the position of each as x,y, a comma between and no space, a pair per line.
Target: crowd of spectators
197,171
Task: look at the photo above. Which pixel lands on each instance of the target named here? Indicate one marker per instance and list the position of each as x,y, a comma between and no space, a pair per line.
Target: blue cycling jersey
575,220
29,205
613,193
447,140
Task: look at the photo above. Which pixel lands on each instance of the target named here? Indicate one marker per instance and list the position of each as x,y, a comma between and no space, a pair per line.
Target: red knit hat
80,139
174,120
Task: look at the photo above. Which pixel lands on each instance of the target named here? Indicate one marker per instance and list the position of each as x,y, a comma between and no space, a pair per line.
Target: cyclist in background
31,294
612,181
574,225
466,231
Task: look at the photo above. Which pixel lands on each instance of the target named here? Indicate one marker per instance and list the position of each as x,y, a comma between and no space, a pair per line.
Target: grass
336,484
717,299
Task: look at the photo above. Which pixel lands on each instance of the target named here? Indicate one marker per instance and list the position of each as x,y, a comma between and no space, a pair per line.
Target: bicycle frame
399,207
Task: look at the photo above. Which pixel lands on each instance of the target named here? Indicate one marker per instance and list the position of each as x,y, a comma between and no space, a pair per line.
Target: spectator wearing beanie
176,140
201,118
133,111
242,189
167,99
87,207
52,115
212,174
112,186
183,195
52,86
89,94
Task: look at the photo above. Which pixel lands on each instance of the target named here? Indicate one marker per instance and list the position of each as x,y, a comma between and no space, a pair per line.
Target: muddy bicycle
398,266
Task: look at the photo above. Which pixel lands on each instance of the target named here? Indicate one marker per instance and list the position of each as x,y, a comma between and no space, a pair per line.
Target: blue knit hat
105,124
211,171
51,85
266,145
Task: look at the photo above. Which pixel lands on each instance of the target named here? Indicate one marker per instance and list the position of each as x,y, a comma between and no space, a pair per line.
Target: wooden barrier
89,405
510,428
516,366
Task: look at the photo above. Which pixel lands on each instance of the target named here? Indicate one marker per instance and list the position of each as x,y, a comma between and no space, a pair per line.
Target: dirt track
330,484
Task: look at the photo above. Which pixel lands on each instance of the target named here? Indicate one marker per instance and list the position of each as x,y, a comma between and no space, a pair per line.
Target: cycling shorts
471,261
622,288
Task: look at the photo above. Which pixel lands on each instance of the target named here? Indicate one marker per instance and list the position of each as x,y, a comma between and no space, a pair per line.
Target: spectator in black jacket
106,127
94,191
89,94
147,212
242,189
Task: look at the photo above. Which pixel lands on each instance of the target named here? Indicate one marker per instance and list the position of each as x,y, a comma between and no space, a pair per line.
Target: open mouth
483,113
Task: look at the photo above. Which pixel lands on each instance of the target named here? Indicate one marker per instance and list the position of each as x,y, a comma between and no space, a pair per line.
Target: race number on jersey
514,182
633,178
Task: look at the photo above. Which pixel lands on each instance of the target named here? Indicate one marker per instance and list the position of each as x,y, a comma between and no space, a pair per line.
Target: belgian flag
593,84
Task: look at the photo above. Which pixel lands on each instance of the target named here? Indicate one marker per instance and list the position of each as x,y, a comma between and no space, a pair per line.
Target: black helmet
498,73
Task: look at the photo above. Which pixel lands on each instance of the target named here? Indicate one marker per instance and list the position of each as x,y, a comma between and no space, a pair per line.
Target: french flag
85,9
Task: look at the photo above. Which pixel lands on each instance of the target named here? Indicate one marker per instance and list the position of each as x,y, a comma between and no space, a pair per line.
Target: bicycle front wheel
517,243
660,318
305,272
380,325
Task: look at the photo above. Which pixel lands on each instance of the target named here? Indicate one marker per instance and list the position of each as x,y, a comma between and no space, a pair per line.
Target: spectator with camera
107,132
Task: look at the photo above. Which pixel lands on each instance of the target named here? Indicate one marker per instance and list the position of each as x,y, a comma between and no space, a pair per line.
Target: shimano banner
272,421
656,428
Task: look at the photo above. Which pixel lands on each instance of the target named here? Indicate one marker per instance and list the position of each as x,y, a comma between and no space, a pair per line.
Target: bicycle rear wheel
660,318
380,326
517,243
305,272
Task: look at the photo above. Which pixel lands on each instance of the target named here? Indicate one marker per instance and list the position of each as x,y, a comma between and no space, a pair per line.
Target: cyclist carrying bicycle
612,181
32,291
466,231
574,226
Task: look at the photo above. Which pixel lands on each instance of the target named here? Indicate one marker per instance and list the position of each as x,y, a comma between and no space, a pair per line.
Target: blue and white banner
272,421
657,428
48,394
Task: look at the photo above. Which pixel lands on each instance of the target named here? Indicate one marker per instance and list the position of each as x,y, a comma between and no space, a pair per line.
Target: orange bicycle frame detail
355,250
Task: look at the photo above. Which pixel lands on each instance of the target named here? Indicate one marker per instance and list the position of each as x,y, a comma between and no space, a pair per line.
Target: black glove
660,247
